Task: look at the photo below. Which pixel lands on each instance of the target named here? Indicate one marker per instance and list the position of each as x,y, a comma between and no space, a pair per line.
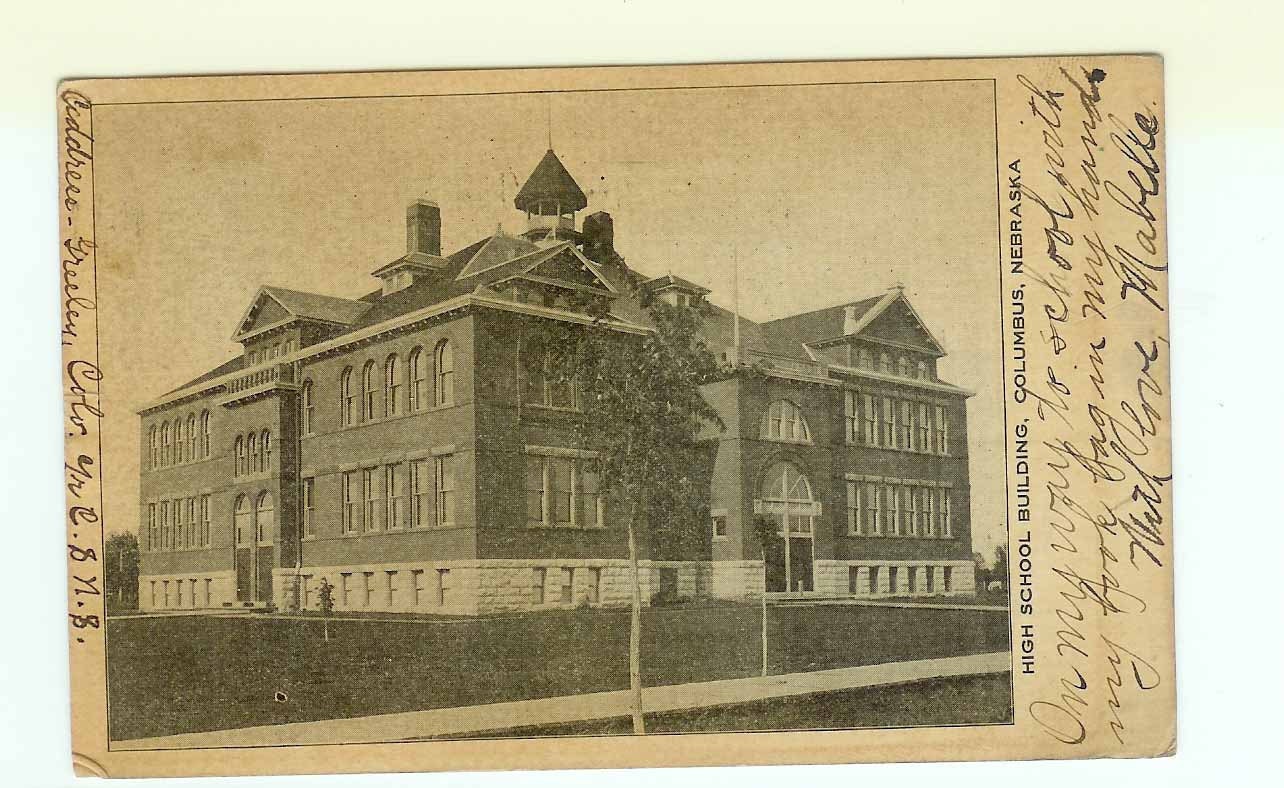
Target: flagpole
735,302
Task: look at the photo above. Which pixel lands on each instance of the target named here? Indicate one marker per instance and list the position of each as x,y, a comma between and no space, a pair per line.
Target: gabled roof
526,265
833,323
301,305
500,248
550,182
670,281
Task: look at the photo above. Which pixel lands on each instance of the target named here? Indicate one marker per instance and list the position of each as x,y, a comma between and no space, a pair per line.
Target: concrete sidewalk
575,708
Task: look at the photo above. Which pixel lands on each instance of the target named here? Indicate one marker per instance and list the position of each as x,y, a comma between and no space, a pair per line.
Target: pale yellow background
825,194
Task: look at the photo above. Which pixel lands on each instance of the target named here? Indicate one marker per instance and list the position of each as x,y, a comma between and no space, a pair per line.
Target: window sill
568,527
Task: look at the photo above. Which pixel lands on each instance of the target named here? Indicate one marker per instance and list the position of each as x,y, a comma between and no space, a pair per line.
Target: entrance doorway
786,497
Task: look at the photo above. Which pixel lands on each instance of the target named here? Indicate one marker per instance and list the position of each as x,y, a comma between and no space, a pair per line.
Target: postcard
597,417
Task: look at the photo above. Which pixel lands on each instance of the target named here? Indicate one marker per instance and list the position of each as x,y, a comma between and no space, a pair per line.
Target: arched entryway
785,495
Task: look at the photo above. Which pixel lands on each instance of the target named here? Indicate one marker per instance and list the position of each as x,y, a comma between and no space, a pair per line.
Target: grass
964,700
193,673
982,598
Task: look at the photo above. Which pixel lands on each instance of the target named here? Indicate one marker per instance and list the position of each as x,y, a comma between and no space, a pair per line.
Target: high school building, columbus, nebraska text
395,445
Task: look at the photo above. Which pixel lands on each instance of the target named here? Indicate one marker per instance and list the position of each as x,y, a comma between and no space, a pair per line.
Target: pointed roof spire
550,188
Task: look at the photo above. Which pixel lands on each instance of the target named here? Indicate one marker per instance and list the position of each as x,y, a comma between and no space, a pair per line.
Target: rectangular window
445,476
393,506
871,421
535,490
539,578
947,528
559,490
907,425
851,413
193,527
896,499
924,429
368,500
420,494
911,518
587,501
443,586
594,585
568,586
929,496
390,588
719,526
350,498
164,525
345,580
417,587
889,423
309,509
562,492
853,509
151,527
367,588
942,431
873,523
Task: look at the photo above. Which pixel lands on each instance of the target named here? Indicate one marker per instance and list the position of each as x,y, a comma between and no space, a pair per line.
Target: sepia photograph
770,413
579,412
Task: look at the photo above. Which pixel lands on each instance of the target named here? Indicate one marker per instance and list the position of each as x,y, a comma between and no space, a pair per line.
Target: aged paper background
1107,581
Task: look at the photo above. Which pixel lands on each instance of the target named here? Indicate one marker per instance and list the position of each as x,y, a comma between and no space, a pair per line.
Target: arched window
865,359
784,421
345,398
903,367
153,444
242,520
885,364
391,386
786,493
252,454
307,407
370,388
444,359
922,370
238,467
167,450
418,380
205,434
179,440
191,437
265,447
265,520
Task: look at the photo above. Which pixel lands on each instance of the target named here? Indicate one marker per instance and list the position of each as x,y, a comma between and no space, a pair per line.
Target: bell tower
550,199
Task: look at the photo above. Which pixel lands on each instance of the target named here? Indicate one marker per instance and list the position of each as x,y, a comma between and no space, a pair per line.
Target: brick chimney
423,228
598,232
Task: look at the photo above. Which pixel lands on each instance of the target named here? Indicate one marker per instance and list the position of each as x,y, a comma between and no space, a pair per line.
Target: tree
982,572
1000,569
120,559
641,414
325,601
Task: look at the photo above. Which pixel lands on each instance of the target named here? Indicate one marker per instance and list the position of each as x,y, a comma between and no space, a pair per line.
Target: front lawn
959,700
194,673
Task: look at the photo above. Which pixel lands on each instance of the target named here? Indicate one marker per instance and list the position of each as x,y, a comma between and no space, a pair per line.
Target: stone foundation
474,587
194,591
873,579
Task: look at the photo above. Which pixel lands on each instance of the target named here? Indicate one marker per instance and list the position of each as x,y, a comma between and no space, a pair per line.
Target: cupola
551,198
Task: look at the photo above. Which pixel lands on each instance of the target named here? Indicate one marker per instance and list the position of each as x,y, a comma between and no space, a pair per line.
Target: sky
822,194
